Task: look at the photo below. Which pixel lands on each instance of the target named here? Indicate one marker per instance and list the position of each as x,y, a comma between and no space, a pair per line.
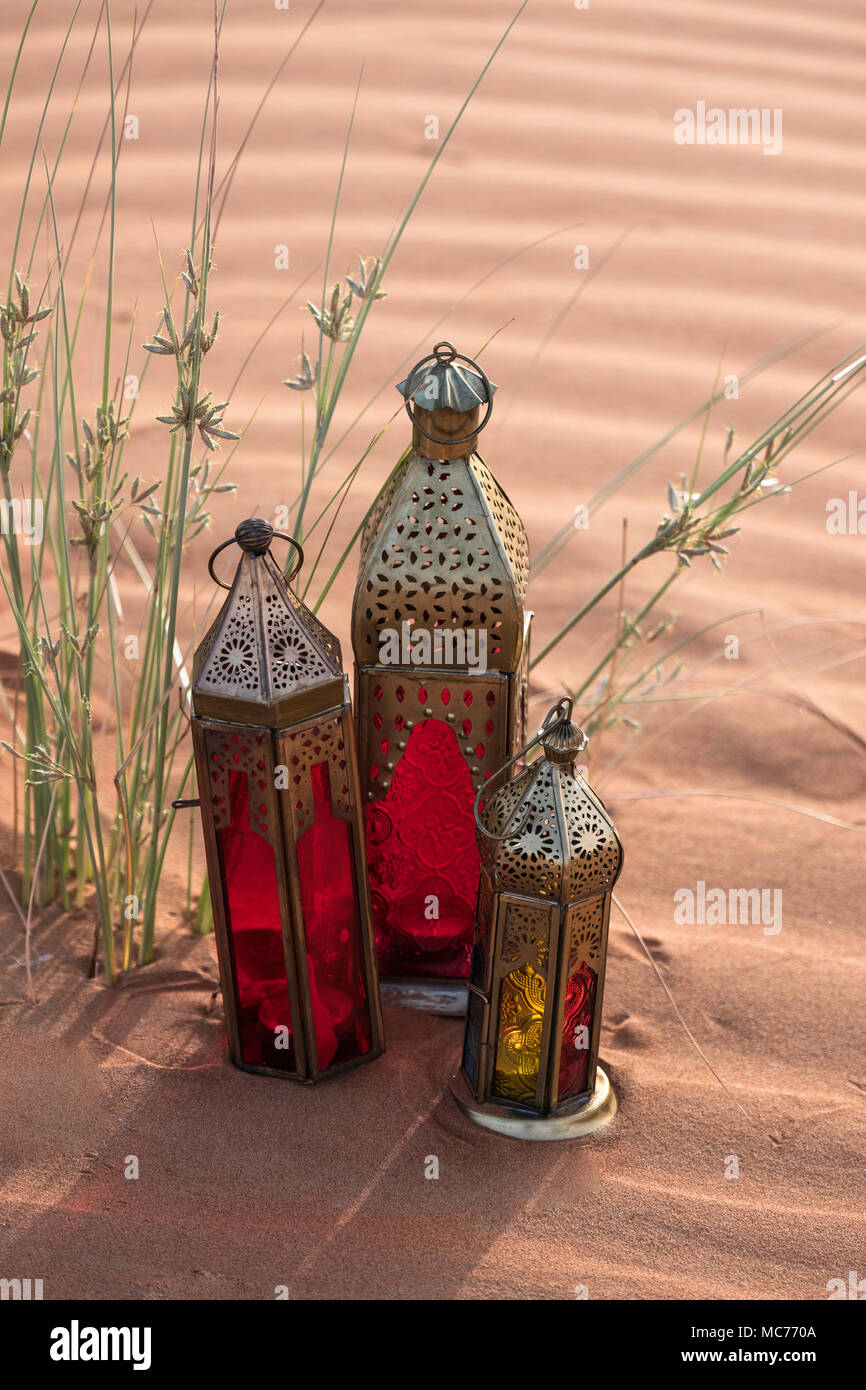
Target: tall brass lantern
441,641
275,760
551,857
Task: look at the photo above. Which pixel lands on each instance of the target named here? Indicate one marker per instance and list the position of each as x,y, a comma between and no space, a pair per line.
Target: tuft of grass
64,593
66,609
699,525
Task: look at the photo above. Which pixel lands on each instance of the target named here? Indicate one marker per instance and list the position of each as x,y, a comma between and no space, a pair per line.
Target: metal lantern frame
550,859
444,551
269,692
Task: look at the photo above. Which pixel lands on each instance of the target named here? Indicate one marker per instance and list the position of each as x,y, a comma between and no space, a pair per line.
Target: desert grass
72,844
78,846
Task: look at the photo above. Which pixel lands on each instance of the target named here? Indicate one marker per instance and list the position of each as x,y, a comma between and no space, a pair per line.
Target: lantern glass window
238,761
275,755
550,858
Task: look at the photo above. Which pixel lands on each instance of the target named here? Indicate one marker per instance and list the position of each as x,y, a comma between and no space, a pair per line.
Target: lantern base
599,1110
442,997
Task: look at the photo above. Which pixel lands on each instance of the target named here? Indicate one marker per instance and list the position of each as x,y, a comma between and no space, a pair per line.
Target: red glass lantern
275,759
551,857
441,640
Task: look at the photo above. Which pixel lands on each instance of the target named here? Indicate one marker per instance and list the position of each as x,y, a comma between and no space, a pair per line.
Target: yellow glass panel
518,1047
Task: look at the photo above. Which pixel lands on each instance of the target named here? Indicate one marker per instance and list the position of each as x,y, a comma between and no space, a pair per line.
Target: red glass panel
255,934
577,1031
424,861
326,868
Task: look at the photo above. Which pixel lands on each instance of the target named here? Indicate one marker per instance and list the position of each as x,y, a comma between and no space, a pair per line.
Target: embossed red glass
423,859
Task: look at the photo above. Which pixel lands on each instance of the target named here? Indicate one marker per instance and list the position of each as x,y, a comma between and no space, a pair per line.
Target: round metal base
445,998
599,1110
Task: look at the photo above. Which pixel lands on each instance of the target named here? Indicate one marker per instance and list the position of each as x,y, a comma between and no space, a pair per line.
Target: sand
702,260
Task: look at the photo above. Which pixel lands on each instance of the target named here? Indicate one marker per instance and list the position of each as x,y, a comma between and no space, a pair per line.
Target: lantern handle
559,714
444,353
283,536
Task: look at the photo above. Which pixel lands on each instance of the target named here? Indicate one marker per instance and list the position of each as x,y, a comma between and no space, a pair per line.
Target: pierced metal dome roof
444,548
265,647
563,846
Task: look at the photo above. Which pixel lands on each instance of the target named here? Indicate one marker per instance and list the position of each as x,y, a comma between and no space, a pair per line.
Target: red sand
247,1183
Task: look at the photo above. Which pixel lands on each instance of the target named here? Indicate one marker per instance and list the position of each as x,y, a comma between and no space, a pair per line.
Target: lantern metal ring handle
445,353
557,717
258,542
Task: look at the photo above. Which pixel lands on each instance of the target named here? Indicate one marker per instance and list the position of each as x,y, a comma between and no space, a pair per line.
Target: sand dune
715,257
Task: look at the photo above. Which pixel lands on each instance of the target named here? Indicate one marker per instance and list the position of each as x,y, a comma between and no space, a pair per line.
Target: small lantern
550,859
275,759
441,644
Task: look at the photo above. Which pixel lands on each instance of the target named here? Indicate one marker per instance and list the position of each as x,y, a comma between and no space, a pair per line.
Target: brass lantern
441,641
275,760
550,859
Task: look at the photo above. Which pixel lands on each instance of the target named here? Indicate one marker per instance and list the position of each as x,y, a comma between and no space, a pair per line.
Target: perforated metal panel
392,701
445,549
